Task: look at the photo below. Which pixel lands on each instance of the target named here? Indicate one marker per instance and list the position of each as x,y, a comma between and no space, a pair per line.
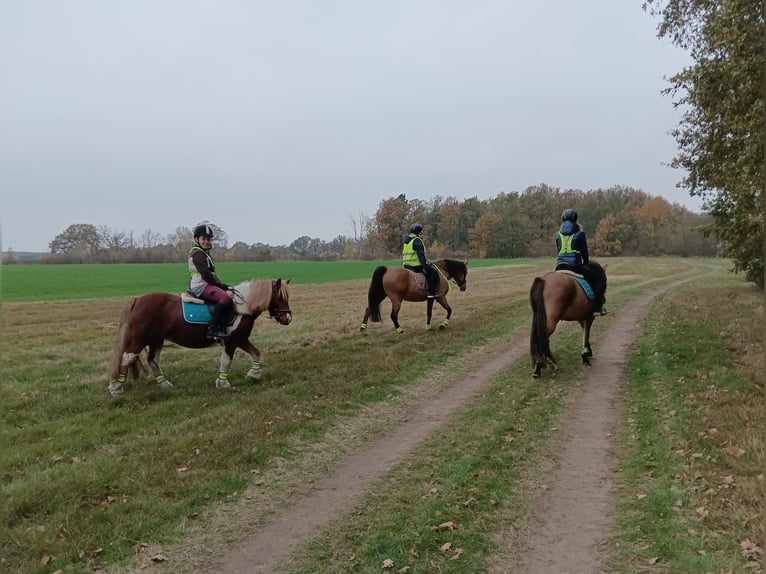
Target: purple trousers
216,295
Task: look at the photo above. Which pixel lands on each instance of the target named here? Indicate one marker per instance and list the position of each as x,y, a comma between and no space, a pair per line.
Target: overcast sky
280,119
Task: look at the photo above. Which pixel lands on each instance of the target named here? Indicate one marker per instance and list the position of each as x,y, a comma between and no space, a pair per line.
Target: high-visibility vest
409,255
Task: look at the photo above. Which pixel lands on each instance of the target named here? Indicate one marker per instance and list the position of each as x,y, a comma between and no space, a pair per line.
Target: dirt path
569,522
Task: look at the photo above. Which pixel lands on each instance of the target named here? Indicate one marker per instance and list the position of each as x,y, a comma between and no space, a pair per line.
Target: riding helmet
569,215
203,231
416,228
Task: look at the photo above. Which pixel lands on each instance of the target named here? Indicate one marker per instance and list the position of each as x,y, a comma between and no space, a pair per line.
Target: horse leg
429,313
446,306
396,304
254,372
222,380
116,386
587,352
364,321
153,358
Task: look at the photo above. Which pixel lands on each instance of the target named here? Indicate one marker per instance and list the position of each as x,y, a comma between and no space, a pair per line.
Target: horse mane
256,295
597,266
454,265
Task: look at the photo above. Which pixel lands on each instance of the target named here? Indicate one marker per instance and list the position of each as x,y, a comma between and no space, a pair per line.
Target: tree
80,240
391,223
720,135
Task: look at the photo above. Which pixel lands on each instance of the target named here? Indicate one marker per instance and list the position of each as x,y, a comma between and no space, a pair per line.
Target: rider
572,246
414,258
204,283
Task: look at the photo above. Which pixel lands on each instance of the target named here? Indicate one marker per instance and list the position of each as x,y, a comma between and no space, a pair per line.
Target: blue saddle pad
585,287
196,312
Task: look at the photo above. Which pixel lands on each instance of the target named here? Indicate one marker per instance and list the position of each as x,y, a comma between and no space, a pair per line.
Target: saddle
197,311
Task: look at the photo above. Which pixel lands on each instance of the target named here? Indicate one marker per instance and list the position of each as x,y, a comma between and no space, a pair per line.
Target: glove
224,286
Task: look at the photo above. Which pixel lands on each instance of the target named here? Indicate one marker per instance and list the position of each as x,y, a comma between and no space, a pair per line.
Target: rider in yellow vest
204,282
414,258
572,246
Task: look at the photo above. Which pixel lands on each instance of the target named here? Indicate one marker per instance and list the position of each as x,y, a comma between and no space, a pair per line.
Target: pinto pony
400,284
557,296
147,321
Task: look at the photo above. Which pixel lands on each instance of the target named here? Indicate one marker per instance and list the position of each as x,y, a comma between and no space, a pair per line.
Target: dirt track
571,520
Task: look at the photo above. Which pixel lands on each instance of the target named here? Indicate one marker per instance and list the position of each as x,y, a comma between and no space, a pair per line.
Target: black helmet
203,231
416,228
569,215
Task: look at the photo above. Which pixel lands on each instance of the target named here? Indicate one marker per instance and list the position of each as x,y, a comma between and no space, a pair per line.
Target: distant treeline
618,221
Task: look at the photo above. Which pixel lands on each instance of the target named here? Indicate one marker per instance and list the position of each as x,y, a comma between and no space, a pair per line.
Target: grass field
60,282
90,481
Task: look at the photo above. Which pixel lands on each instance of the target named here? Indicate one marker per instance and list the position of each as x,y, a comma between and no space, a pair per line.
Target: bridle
274,309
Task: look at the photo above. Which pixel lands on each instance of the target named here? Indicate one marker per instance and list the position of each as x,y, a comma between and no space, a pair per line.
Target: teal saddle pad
585,287
196,312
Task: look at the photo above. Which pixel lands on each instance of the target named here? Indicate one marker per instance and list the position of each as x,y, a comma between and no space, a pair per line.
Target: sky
276,120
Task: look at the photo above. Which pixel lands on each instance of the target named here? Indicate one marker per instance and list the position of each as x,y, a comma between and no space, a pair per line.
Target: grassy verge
693,457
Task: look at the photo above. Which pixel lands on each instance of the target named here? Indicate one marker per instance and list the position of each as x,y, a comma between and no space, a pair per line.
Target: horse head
457,271
279,304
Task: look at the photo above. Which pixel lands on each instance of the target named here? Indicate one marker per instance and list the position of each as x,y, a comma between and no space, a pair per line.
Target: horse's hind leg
153,358
396,304
128,360
586,352
366,317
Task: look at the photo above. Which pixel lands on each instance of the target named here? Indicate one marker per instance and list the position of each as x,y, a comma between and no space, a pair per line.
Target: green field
87,281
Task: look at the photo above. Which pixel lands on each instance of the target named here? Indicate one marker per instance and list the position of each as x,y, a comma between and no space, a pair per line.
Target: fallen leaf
182,469
404,570
46,559
388,563
750,550
446,546
159,557
456,555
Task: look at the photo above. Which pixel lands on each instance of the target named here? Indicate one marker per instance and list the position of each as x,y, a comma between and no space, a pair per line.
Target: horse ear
466,263
288,281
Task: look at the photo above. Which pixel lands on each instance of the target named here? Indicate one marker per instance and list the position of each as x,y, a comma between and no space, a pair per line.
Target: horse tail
376,294
123,337
539,342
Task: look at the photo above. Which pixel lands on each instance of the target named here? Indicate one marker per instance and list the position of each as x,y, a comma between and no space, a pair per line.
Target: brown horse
148,320
557,296
400,284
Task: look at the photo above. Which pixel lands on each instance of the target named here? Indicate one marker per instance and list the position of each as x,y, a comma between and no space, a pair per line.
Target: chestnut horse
400,284
557,296
148,320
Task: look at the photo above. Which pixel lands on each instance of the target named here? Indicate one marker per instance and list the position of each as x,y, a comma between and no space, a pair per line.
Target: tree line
618,221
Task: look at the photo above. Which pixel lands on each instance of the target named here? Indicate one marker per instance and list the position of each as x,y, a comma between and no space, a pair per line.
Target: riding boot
215,329
429,288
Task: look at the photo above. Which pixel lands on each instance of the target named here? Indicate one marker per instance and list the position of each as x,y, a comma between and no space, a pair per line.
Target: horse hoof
255,374
222,384
363,328
429,327
535,375
442,327
115,389
166,384
399,330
